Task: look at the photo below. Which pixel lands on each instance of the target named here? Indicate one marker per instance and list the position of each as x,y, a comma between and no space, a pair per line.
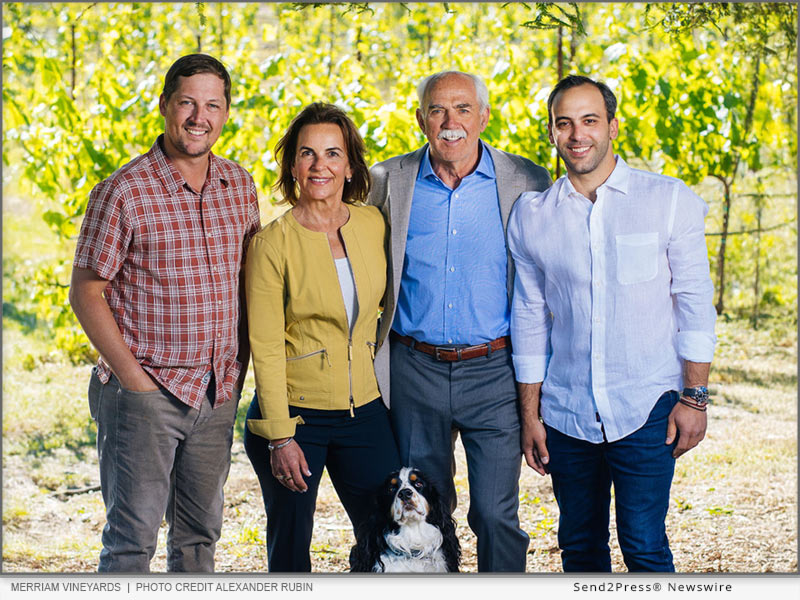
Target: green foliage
705,90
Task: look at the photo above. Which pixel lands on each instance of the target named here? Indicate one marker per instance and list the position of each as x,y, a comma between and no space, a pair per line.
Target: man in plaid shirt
156,287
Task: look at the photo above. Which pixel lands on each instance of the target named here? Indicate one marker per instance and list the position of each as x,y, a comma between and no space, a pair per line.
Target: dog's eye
418,484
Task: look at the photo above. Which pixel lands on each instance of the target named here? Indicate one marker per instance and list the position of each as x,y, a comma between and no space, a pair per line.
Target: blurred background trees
707,93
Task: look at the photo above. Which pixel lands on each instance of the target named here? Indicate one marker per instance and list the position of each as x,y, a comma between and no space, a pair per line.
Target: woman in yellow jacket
315,279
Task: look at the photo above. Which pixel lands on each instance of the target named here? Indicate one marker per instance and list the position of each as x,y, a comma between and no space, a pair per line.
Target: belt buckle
437,349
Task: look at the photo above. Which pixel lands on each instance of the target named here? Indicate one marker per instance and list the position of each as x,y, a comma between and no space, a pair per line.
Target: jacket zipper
350,334
323,351
350,374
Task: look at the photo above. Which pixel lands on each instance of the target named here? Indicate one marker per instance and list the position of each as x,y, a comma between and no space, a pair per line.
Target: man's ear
613,127
421,120
162,105
485,114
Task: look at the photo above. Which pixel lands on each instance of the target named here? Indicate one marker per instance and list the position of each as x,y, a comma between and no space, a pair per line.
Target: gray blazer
392,191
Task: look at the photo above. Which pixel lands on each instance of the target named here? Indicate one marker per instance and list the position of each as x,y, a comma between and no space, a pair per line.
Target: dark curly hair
357,189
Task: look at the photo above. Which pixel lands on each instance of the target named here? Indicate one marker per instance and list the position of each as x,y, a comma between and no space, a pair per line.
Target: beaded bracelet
279,446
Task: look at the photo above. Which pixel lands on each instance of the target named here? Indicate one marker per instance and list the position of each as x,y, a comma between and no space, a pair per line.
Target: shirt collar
172,178
619,177
618,180
485,164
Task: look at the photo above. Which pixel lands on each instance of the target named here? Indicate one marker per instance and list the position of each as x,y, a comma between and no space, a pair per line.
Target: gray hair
426,84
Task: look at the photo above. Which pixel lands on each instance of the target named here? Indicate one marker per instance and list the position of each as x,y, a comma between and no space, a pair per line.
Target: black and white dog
411,530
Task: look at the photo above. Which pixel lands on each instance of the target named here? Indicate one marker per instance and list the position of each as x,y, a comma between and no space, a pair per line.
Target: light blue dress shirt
609,298
453,287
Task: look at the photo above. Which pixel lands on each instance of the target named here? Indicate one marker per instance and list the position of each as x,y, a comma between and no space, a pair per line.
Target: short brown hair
192,64
355,190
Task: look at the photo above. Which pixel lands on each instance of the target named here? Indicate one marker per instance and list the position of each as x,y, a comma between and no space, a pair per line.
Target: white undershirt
348,285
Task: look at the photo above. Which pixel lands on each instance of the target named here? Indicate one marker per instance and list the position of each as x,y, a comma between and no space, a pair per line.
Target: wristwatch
699,394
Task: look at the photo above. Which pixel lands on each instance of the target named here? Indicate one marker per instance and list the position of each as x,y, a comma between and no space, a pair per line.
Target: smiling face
582,133
194,115
321,165
452,120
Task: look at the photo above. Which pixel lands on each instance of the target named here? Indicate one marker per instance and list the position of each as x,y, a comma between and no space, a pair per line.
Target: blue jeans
641,468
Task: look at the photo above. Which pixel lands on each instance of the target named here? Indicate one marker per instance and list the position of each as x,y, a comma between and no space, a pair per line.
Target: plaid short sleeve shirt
172,257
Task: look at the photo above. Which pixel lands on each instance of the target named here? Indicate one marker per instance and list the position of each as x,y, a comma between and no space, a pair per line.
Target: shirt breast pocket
637,257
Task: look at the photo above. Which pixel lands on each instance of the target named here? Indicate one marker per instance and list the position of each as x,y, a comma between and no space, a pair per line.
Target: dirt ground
716,524
733,509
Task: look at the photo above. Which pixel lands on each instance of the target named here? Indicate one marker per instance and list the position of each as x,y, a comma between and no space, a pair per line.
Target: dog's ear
439,515
370,544
451,548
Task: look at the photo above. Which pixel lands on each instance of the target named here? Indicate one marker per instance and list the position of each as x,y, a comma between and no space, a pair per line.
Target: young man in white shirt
612,334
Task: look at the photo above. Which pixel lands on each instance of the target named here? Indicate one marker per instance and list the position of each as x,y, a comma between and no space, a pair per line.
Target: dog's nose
404,494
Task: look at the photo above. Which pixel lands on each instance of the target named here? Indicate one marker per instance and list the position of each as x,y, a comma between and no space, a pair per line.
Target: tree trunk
756,282
279,29
221,32
728,183
72,87
560,67
332,35
723,241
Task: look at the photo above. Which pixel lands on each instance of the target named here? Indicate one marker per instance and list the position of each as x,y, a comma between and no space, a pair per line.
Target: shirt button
456,195
454,232
450,305
450,341
452,269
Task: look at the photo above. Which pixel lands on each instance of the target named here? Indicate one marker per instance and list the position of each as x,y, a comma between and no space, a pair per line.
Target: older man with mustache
444,359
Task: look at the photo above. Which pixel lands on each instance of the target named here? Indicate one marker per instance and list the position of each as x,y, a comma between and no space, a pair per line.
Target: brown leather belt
450,354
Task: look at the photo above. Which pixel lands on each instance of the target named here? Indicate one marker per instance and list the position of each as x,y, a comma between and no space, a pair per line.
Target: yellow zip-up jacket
303,353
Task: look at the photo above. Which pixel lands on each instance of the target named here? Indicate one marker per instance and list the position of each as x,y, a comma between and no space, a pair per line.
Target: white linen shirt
609,298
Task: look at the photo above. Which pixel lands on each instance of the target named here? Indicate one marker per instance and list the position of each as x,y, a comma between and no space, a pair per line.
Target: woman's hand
289,465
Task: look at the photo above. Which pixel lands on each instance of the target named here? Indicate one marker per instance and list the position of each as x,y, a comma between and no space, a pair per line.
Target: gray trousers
158,456
432,402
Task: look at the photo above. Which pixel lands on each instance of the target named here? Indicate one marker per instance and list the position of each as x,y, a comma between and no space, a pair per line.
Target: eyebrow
558,118
326,149
460,105
190,97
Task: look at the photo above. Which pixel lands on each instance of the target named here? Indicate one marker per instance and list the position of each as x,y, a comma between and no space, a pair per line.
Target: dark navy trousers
358,451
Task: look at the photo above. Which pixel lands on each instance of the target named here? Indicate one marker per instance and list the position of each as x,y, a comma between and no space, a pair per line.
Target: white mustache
451,134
